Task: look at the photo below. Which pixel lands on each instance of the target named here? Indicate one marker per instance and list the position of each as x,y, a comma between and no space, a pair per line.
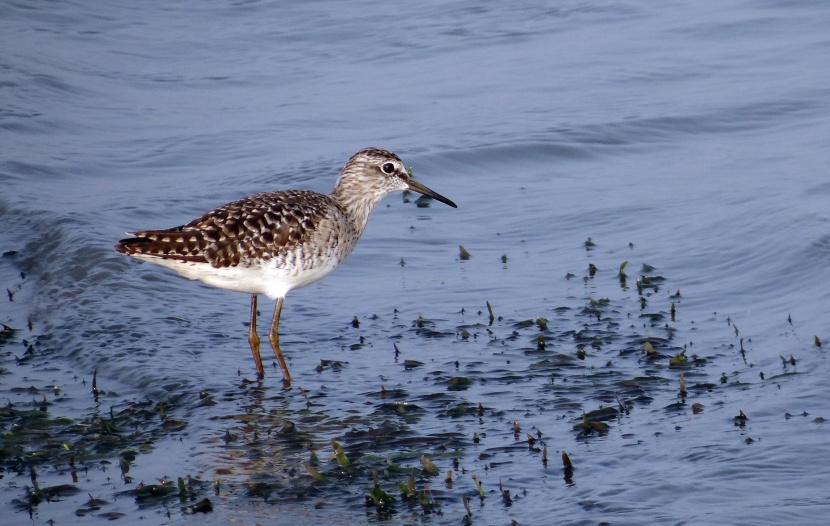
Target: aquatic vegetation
6,334
429,467
741,419
588,426
339,454
463,255
583,371
679,359
490,311
379,498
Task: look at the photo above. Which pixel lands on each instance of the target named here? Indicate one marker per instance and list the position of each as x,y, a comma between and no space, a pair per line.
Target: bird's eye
388,168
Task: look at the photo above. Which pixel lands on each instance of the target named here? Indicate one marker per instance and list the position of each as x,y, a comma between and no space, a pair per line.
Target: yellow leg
274,338
253,339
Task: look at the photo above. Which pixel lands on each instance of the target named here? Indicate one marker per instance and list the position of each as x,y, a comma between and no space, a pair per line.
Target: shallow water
693,139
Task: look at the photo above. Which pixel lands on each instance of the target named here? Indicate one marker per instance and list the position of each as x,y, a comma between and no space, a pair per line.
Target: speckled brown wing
260,226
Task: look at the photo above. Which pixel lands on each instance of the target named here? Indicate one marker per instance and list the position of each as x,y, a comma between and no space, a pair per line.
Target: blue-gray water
691,137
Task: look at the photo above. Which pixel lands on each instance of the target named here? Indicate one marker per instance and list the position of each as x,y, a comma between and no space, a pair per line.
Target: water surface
693,139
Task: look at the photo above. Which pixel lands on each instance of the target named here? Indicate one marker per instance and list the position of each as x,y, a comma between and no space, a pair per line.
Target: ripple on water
698,147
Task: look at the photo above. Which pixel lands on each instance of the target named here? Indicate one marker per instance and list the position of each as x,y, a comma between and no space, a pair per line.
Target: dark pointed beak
415,186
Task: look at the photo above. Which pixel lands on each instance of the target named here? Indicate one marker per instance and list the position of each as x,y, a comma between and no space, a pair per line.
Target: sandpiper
273,242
